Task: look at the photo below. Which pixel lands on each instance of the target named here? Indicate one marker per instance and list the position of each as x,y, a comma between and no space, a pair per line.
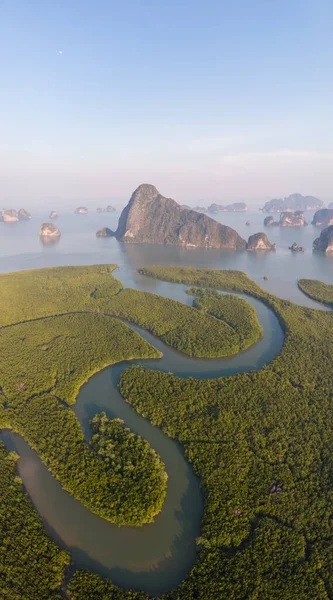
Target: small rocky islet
260,241
14,216
49,230
296,248
287,219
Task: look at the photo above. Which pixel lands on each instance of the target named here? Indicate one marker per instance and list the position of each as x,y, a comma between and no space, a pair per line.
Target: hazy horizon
209,102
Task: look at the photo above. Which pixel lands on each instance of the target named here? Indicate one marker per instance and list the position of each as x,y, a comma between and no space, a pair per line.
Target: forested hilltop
260,442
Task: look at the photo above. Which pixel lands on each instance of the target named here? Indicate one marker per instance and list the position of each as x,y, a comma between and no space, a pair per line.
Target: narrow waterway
155,557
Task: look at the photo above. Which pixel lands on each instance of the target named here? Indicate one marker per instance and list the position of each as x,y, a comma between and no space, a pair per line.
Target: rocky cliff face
150,217
293,202
49,230
323,217
324,242
290,219
259,241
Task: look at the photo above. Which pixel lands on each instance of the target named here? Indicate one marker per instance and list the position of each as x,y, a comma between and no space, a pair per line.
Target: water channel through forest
155,557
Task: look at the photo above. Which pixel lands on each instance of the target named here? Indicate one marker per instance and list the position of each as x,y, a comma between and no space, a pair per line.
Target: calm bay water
155,557
21,248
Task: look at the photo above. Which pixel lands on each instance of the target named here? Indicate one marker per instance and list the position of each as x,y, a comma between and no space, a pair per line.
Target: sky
221,100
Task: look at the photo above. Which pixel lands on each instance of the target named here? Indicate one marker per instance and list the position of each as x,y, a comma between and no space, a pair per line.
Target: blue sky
207,100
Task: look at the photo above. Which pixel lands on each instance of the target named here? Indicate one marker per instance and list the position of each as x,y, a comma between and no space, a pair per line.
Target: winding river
154,557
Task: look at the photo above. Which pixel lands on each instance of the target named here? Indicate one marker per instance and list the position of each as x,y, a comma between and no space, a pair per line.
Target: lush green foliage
59,354
317,290
31,565
238,313
95,289
43,364
186,329
38,293
88,586
233,281
138,470
261,442
262,446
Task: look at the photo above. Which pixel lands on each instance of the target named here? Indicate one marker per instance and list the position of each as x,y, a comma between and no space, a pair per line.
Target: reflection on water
20,248
47,240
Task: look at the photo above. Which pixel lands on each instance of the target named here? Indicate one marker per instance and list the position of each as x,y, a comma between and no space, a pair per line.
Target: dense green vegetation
261,442
317,290
43,365
59,354
191,331
88,586
31,565
95,289
140,472
233,281
238,313
42,292
262,446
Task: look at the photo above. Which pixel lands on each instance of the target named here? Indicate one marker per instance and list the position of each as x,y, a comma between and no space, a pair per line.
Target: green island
261,442
317,290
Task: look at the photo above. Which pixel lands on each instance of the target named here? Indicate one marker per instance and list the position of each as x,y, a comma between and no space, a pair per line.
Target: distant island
235,207
287,219
293,202
259,241
323,217
151,218
81,210
49,230
107,209
13,216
